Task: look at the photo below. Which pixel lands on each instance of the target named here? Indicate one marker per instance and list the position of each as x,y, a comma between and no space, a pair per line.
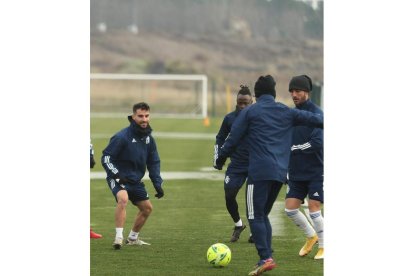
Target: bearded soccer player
130,152
306,170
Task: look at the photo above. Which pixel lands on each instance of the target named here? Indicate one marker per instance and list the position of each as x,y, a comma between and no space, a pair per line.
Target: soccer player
125,159
306,170
92,162
268,127
236,173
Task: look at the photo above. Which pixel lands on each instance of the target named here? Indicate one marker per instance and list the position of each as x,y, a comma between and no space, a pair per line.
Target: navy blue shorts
136,192
301,189
234,180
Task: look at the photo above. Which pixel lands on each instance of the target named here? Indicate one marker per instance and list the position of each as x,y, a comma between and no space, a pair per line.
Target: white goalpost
169,95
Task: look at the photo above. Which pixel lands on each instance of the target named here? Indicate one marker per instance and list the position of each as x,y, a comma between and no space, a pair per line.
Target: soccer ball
219,255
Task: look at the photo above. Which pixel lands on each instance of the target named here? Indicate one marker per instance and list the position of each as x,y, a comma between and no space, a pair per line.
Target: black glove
92,162
219,162
160,191
122,180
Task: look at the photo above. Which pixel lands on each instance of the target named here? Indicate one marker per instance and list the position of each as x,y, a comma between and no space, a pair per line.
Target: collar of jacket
304,104
236,111
265,98
136,129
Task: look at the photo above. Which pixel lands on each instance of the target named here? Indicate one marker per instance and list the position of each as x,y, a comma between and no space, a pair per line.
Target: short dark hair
244,90
140,105
265,85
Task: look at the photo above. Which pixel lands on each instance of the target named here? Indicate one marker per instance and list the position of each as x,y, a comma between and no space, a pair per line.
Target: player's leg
297,191
315,201
273,193
121,197
257,201
95,235
231,204
232,185
120,217
120,209
145,209
139,197
305,208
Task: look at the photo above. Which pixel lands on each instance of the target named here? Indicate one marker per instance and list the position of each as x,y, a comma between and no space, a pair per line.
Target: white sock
133,235
300,220
318,224
239,223
119,233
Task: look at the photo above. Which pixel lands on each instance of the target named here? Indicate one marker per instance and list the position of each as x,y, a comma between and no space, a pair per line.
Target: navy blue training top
240,157
130,152
306,158
268,127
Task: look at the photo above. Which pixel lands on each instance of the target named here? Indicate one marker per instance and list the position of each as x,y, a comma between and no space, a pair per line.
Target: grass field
190,217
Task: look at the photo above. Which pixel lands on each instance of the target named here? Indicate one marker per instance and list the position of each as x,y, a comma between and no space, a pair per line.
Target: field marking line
168,135
172,175
276,219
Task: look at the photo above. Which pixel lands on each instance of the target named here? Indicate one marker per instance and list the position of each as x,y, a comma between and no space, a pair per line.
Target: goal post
169,95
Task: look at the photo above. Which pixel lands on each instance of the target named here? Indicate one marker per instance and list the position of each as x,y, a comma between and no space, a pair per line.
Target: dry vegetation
229,62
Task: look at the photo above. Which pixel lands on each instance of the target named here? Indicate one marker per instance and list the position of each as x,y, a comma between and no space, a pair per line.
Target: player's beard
141,131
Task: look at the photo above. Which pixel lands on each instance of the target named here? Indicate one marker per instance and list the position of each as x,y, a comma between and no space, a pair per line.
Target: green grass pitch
191,217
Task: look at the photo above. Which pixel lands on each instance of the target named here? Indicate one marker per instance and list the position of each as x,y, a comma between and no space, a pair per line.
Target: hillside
230,53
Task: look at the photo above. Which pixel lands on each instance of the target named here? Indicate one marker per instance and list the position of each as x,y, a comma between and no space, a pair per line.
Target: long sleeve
315,143
110,154
91,154
154,164
223,132
306,118
237,132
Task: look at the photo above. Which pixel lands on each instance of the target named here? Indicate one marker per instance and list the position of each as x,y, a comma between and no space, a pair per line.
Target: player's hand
122,180
160,191
92,162
219,163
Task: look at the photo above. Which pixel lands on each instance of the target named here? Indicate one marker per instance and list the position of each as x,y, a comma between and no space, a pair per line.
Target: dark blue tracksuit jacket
130,152
239,158
306,159
268,126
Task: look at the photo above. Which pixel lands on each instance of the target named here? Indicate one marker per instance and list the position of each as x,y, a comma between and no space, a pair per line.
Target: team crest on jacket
147,140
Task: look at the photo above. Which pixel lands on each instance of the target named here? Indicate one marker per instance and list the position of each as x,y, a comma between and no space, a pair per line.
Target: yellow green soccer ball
219,255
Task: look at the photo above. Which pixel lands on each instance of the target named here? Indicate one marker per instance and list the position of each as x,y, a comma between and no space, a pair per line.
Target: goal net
179,96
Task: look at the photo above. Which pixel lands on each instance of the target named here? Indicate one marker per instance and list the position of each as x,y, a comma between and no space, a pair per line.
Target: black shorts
301,189
136,192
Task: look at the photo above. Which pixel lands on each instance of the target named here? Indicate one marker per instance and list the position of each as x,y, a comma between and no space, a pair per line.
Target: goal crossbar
202,78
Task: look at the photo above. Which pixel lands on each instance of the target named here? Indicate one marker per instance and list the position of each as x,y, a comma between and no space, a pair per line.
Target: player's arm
220,138
314,144
223,132
237,132
154,168
92,159
306,118
109,153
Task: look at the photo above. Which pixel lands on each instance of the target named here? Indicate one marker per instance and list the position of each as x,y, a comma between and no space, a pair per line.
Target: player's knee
230,193
122,202
314,205
292,203
147,210
122,199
